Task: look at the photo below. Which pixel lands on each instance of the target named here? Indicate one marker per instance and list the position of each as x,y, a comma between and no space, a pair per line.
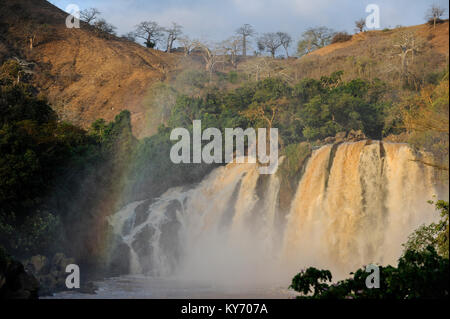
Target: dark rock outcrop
15,282
341,137
51,274
141,245
119,260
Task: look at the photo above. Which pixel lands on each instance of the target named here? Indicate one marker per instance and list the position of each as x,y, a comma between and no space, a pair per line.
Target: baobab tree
269,42
232,46
313,39
150,31
211,56
360,25
285,40
187,44
245,32
173,33
89,15
407,44
434,14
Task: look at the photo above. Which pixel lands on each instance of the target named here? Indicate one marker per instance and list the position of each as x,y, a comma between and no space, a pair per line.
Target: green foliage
309,110
149,171
311,281
332,106
194,78
424,118
435,234
18,104
233,77
418,275
40,232
422,272
44,165
295,158
290,169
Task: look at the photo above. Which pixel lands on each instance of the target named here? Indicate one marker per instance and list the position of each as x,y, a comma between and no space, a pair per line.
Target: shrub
438,21
341,37
193,78
233,77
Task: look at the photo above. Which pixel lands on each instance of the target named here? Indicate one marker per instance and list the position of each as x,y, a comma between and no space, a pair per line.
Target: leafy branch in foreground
418,275
422,271
435,234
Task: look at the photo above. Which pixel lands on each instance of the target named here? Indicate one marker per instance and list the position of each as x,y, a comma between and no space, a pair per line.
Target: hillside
436,39
367,55
87,75
84,75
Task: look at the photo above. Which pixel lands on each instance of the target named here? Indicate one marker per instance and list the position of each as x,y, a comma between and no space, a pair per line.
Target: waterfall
355,204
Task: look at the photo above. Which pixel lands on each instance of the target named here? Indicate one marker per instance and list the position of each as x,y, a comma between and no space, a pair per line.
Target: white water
353,206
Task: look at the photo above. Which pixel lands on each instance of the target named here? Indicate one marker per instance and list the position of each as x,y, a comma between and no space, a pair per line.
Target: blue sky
216,20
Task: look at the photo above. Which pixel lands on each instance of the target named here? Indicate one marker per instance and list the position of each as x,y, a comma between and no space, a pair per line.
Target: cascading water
355,204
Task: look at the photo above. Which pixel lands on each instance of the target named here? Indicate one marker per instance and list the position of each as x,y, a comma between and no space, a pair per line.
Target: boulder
355,136
329,140
16,283
340,137
59,263
37,264
51,273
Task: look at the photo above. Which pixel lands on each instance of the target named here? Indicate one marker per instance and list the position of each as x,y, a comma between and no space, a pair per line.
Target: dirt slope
368,55
85,75
436,38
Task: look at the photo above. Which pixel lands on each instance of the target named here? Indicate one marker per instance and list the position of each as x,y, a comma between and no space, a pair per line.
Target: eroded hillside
85,75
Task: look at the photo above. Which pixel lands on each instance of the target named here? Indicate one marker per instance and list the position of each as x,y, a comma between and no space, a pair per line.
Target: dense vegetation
306,112
46,165
309,110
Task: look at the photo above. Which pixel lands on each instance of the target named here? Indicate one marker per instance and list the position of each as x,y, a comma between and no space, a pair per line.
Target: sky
216,20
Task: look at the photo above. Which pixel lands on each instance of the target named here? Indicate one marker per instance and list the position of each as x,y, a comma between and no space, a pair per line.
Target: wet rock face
139,238
165,237
142,213
142,245
169,239
119,263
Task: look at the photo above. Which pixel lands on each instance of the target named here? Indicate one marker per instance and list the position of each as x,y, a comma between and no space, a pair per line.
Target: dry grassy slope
366,39
372,54
367,55
85,77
